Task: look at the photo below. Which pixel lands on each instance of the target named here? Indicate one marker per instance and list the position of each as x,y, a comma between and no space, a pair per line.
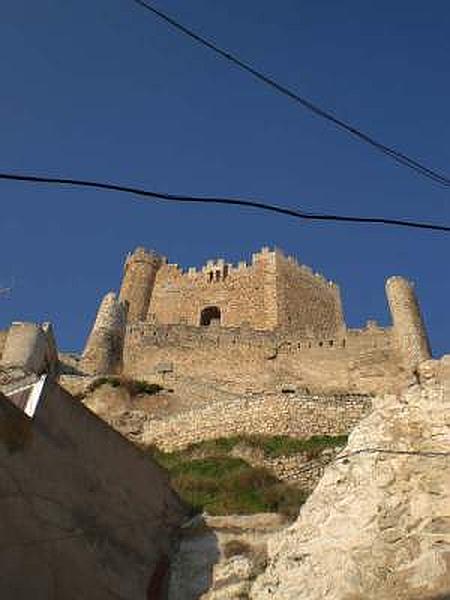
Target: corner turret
104,348
409,329
138,281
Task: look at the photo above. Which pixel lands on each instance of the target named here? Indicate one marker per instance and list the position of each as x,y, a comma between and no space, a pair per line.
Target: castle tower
103,351
138,281
30,347
409,328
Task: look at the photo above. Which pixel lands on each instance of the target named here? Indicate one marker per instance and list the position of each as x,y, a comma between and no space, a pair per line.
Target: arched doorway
210,314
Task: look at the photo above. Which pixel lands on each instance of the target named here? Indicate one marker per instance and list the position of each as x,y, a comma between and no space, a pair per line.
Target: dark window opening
210,276
210,314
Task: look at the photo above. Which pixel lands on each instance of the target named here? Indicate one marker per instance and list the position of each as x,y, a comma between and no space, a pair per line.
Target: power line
396,155
291,212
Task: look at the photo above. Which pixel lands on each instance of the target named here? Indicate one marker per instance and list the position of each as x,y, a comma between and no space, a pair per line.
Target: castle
270,321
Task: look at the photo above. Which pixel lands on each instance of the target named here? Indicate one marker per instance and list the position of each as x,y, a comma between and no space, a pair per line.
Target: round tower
138,281
409,329
103,351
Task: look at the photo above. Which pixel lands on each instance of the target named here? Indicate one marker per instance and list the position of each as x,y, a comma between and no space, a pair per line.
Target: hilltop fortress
265,325
259,348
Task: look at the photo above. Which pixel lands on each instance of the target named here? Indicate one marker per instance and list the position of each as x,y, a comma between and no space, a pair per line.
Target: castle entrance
210,314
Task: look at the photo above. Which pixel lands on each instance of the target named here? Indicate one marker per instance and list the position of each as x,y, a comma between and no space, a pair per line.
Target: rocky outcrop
219,557
377,526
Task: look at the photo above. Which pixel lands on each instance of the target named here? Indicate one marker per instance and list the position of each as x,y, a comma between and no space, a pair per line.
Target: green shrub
133,386
225,485
209,479
136,387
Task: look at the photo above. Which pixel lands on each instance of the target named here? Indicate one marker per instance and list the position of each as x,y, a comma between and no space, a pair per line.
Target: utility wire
396,155
283,210
143,521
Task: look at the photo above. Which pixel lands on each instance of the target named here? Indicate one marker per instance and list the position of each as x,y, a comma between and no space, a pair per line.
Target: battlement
220,265
272,305
143,255
143,336
269,291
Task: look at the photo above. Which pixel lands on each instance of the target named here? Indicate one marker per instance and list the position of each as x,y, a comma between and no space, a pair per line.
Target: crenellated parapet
270,308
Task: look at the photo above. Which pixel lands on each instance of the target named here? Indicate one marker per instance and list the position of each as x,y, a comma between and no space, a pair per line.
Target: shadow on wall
192,570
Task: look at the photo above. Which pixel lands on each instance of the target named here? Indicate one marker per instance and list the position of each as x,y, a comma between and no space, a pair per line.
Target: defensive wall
297,415
363,360
273,291
256,324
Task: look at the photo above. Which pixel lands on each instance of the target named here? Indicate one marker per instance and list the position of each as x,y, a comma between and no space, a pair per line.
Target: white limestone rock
377,527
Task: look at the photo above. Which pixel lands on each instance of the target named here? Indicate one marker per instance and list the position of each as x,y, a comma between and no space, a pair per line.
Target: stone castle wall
138,280
273,291
3,336
31,347
411,335
257,325
307,303
269,414
245,293
363,361
104,348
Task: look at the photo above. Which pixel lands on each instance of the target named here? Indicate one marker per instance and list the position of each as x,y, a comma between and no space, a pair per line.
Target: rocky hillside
377,526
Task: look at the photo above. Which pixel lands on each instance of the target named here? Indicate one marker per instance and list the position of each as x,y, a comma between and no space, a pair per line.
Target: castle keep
268,321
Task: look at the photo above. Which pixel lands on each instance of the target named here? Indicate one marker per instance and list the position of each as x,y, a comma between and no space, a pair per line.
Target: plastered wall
84,513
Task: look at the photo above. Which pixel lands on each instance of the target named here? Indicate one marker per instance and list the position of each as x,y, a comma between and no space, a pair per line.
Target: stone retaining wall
298,469
270,414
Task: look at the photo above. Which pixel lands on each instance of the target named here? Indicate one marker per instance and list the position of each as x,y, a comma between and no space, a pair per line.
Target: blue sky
104,90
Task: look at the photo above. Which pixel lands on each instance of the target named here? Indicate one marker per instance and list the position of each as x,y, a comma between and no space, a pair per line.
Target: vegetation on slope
226,485
272,446
208,478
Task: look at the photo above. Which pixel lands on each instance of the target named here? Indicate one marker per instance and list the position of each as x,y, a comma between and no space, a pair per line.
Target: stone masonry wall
274,291
243,294
363,361
3,336
308,304
275,414
298,469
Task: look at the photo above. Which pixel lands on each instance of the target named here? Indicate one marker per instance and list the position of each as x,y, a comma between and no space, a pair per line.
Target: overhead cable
394,154
264,206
